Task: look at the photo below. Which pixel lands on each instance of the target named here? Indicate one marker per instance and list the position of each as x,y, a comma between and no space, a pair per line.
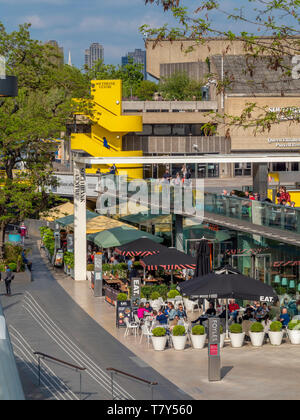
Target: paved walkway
248,373
41,316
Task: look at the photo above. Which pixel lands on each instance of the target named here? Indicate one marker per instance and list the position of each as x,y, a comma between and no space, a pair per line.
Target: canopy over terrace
119,236
171,259
141,248
69,220
63,210
100,223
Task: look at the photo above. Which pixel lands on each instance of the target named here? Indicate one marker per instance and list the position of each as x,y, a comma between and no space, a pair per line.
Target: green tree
146,90
180,87
30,123
131,75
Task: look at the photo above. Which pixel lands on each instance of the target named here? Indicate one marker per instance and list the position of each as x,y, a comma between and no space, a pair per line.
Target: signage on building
286,113
79,187
66,185
285,142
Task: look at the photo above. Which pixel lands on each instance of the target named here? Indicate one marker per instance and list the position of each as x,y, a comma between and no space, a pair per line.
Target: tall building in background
93,54
60,51
139,56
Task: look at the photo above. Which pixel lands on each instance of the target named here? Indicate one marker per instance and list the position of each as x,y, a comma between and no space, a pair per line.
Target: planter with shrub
179,337
122,297
159,338
198,337
155,296
236,335
173,293
294,332
257,334
275,333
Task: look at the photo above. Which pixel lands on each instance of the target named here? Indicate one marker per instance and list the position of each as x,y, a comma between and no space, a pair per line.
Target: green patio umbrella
69,220
119,236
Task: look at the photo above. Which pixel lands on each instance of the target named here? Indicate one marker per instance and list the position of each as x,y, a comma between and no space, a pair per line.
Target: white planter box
237,340
179,342
159,343
257,338
222,340
198,341
294,336
275,337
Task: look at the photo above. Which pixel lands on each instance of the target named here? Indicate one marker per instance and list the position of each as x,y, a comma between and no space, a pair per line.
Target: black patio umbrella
171,259
141,247
203,265
228,283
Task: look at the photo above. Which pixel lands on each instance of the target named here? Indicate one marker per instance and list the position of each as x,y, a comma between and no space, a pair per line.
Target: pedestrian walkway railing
259,213
10,384
43,356
114,372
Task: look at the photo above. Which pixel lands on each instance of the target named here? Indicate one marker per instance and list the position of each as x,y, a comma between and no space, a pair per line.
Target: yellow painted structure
109,123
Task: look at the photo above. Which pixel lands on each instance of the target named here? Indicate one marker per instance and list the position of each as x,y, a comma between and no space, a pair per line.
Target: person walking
23,232
8,279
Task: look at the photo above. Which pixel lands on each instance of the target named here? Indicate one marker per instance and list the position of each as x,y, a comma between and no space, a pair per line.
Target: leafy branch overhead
267,33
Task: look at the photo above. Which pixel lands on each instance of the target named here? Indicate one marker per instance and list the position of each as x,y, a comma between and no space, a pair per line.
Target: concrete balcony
169,106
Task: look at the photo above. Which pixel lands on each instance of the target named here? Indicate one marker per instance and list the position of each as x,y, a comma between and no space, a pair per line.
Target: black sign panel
135,295
123,312
70,242
214,360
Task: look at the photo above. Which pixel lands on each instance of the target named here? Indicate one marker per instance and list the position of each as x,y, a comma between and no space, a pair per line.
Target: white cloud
36,21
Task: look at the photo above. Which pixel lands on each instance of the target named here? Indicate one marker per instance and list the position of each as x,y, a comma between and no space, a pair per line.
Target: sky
75,24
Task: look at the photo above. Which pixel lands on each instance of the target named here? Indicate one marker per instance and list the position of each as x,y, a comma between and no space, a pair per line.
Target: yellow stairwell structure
108,128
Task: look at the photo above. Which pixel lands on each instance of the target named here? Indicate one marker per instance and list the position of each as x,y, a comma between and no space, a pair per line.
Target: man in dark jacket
8,279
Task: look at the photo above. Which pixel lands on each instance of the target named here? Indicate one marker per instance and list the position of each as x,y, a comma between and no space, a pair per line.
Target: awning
140,248
65,209
119,236
100,223
69,220
171,259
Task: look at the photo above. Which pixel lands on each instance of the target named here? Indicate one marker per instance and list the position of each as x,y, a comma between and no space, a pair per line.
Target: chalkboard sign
123,312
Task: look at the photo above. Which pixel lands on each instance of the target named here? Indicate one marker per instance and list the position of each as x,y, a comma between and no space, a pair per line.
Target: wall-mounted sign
135,296
285,142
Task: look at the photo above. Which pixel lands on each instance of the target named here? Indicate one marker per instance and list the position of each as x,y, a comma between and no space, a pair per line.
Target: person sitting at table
148,308
233,309
249,314
141,310
284,317
161,318
181,312
260,313
172,314
266,323
210,312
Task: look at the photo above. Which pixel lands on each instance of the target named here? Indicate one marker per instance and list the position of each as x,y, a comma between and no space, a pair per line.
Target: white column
80,244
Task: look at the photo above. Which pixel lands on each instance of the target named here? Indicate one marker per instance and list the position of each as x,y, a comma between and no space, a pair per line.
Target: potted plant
198,337
275,333
159,338
179,337
154,296
173,293
122,297
236,335
222,336
294,332
257,334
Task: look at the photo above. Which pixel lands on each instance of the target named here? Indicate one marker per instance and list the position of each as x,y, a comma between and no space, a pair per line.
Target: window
162,130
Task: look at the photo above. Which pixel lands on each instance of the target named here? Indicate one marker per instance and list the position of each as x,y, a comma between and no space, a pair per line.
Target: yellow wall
108,121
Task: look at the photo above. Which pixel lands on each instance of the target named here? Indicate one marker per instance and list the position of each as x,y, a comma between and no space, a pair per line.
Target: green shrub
173,293
90,267
198,330
159,332
122,297
155,295
276,326
294,325
257,327
107,267
178,330
221,329
69,259
12,266
236,329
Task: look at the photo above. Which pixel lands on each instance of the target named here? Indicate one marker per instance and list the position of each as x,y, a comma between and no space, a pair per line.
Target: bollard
214,359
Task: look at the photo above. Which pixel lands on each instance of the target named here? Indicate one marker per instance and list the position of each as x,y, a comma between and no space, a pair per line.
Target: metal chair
131,326
146,333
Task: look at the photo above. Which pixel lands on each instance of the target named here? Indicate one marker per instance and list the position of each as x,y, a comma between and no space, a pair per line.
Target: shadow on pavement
225,370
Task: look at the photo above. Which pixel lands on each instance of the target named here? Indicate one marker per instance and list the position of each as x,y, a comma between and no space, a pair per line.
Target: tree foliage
146,90
179,87
30,123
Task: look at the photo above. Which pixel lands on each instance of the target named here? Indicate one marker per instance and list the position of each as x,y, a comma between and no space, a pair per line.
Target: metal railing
114,371
44,356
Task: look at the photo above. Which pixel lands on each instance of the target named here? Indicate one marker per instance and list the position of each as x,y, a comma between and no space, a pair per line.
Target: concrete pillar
260,179
178,224
80,244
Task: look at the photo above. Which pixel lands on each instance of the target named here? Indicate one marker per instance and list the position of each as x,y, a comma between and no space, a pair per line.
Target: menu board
123,312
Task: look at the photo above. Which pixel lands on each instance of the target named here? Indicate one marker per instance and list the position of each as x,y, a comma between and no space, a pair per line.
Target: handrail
132,376
46,356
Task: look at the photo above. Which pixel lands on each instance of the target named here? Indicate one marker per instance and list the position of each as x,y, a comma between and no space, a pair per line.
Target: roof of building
255,76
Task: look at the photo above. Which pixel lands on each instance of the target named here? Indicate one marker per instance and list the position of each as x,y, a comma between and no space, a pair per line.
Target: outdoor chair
147,333
191,306
131,326
178,301
137,320
246,326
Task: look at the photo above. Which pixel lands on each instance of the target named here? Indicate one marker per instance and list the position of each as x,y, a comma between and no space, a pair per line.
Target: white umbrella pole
227,335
